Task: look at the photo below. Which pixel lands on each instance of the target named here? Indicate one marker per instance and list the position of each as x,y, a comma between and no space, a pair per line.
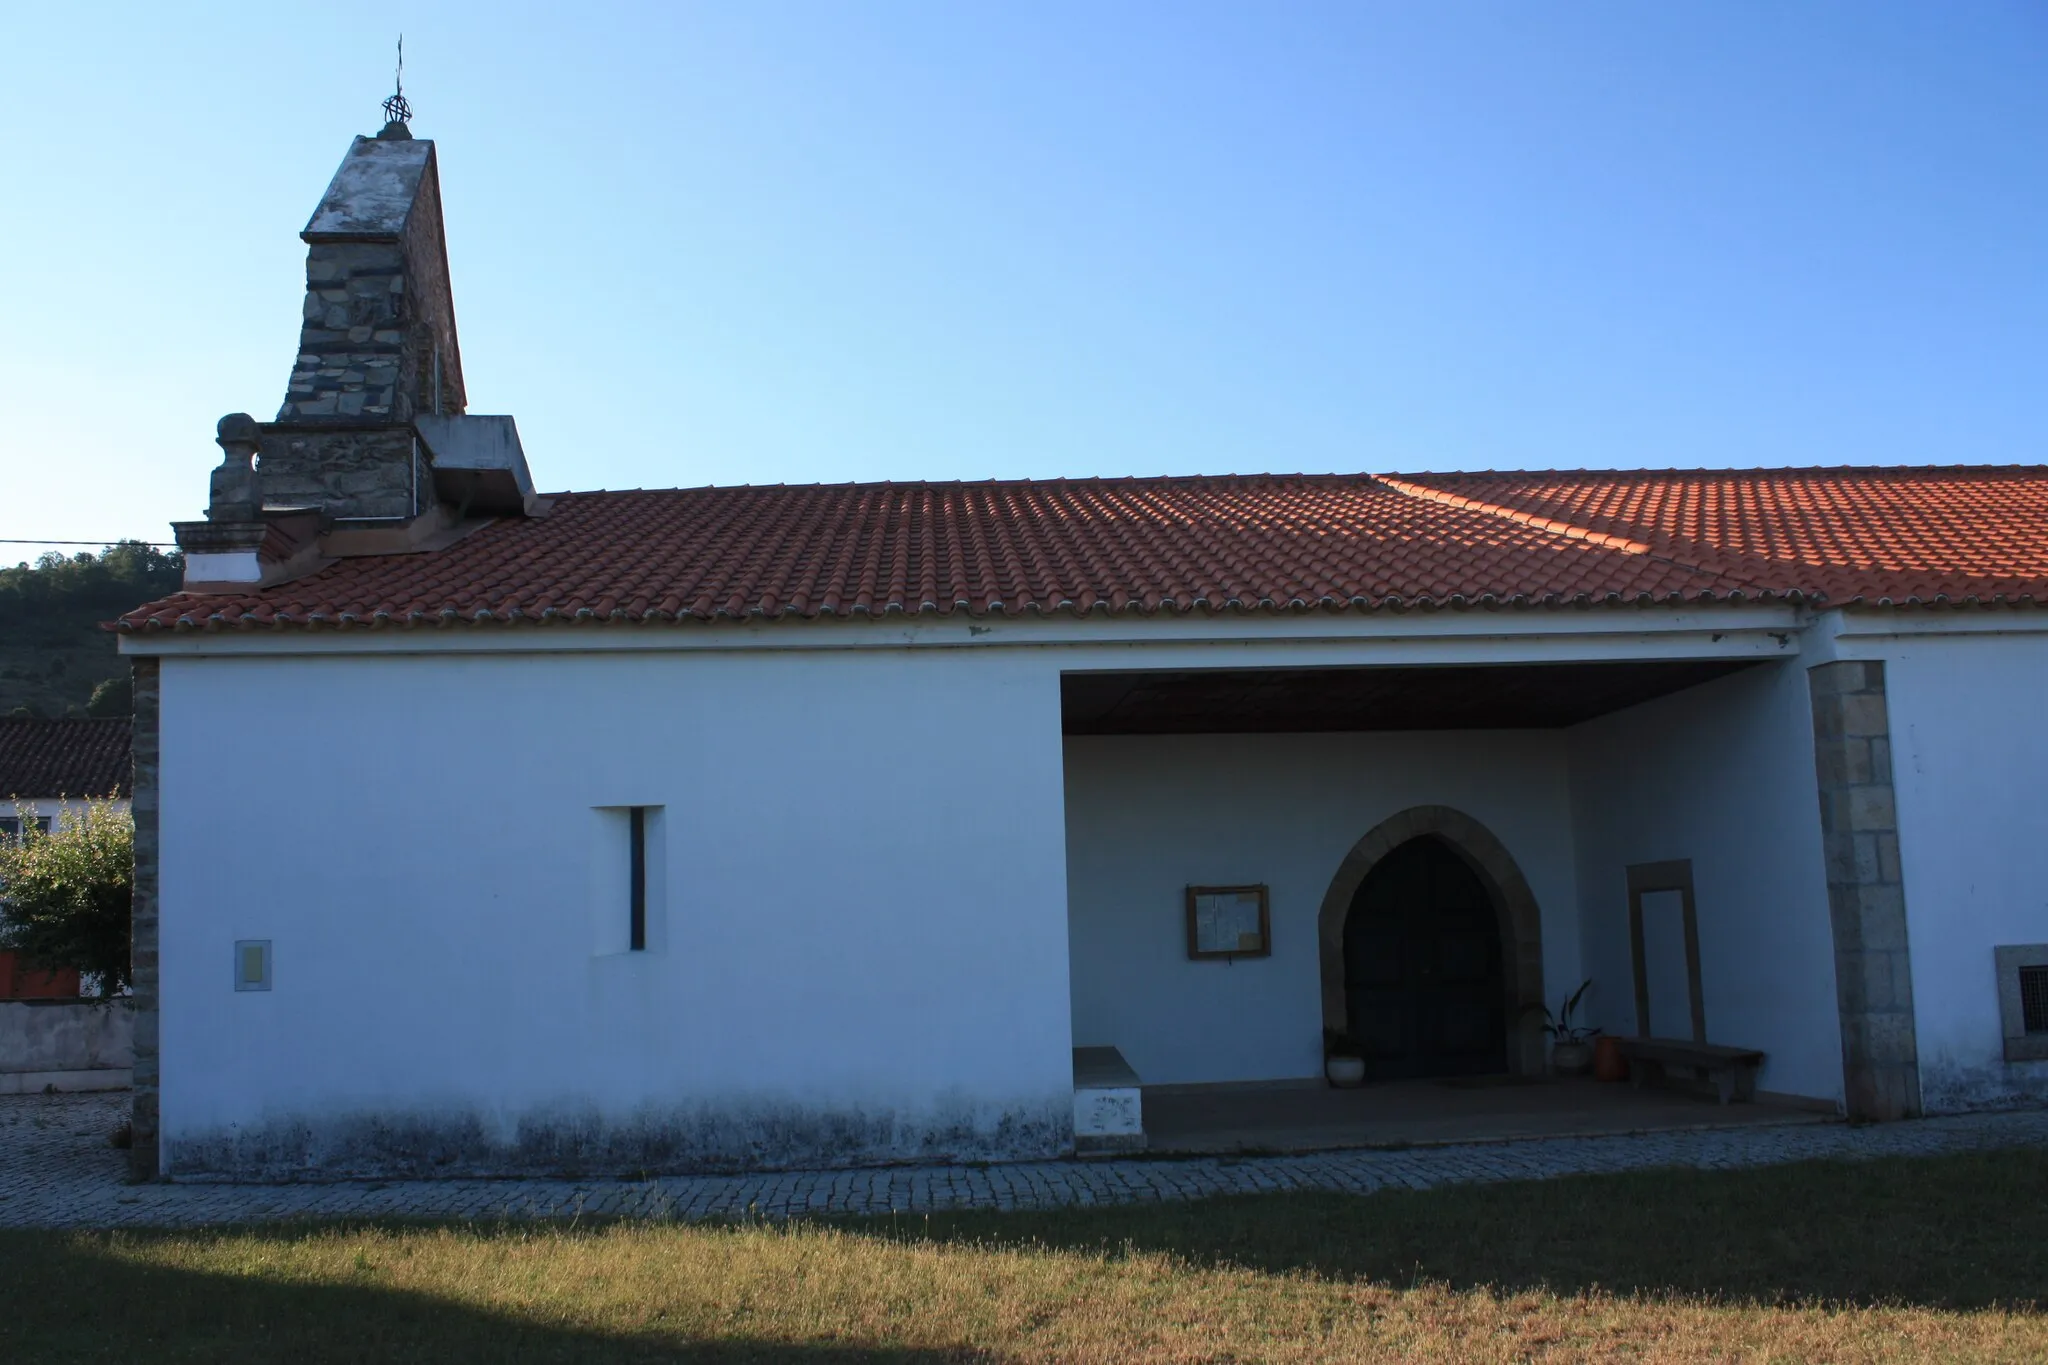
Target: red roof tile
1899,535
50,758
1259,543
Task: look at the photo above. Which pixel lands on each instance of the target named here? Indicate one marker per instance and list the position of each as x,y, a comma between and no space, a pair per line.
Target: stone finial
238,431
233,493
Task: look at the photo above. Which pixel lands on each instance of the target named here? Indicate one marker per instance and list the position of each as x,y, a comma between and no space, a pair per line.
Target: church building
488,829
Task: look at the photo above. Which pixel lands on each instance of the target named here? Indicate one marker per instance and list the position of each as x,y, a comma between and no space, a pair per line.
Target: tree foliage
113,697
53,653
65,894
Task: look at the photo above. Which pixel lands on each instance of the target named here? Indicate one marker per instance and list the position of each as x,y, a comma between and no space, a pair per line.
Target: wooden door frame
1644,878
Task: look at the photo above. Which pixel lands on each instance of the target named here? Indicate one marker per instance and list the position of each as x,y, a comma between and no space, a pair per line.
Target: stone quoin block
143,806
1866,892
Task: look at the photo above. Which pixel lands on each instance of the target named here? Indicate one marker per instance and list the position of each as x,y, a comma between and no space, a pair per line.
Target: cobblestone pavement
56,1170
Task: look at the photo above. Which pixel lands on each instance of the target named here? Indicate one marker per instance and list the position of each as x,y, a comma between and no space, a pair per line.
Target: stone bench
1109,1114
1732,1070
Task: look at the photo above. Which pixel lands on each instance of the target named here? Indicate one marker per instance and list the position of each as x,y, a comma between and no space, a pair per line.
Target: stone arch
1520,921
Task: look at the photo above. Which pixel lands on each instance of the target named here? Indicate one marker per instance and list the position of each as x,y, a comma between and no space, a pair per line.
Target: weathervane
396,110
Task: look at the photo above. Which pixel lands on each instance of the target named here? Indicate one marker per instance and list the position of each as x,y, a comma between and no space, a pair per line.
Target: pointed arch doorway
1424,991
1431,950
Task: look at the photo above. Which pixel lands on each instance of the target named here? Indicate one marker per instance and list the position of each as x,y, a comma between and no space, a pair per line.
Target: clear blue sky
793,242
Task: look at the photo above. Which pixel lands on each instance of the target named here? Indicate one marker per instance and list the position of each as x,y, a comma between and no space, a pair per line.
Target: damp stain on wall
1954,1085
569,1140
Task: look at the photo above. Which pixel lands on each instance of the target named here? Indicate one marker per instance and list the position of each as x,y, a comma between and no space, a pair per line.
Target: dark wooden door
1422,967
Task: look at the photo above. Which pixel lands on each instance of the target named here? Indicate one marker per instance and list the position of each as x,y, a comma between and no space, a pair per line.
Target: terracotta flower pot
1571,1059
1346,1073
1608,1063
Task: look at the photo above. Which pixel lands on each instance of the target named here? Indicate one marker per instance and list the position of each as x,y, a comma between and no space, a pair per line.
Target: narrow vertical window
637,817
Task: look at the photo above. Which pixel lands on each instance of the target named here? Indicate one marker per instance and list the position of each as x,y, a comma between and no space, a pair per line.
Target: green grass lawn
1938,1258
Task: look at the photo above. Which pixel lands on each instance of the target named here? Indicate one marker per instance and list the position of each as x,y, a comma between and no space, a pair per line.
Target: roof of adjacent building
1243,543
44,759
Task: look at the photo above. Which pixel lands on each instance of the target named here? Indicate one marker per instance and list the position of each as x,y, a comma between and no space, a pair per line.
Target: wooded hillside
53,655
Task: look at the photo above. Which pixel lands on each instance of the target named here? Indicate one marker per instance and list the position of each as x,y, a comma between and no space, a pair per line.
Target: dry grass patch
1930,1259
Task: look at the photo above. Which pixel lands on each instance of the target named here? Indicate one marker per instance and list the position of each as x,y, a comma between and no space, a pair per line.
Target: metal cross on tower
396,110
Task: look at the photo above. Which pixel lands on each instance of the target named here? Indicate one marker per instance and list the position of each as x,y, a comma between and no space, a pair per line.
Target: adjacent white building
50,1039
481,830
49,771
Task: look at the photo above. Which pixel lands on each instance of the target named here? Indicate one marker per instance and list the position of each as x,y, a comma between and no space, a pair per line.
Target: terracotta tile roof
50,758
1259,543
1898,535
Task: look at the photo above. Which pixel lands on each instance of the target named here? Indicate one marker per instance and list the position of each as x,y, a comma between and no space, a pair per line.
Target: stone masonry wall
1866,894
143,805
379,318
352,472
431,304
376,348
356,340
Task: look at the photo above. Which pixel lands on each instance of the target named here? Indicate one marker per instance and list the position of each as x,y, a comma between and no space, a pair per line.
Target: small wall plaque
1229,921
252,964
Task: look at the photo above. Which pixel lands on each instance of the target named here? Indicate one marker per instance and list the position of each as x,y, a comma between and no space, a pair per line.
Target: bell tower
373,450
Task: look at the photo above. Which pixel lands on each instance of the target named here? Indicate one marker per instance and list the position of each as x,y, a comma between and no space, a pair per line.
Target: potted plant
1343,1063
1608,1063
1571,1046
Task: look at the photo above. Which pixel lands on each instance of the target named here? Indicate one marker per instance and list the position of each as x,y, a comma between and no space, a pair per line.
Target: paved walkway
56,1170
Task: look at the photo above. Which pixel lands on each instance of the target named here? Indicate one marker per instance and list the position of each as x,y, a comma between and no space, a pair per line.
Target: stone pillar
235,493
1866,897
142,1152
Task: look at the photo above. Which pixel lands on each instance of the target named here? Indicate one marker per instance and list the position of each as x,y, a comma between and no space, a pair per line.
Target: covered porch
1427,858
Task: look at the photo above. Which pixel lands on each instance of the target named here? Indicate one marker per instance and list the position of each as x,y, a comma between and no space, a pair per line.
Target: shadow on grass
1951,1232
1943,1233
65,1300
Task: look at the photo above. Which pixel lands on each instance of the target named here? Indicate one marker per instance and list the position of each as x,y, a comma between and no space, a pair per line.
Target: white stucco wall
1969,723
860,946
1148,816
1722,774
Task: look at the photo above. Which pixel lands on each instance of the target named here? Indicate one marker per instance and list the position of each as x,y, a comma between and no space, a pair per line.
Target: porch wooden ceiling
1294,700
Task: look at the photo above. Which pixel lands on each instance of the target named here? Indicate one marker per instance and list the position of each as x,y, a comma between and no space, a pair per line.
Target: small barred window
2034,998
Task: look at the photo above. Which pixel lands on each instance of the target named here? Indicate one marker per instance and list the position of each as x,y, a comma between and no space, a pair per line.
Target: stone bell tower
372,451
378,345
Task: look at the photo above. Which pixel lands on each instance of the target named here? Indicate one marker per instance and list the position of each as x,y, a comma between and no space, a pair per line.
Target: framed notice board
1229,921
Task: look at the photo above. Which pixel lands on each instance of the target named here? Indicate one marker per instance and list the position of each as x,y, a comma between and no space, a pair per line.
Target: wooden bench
1731,1069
